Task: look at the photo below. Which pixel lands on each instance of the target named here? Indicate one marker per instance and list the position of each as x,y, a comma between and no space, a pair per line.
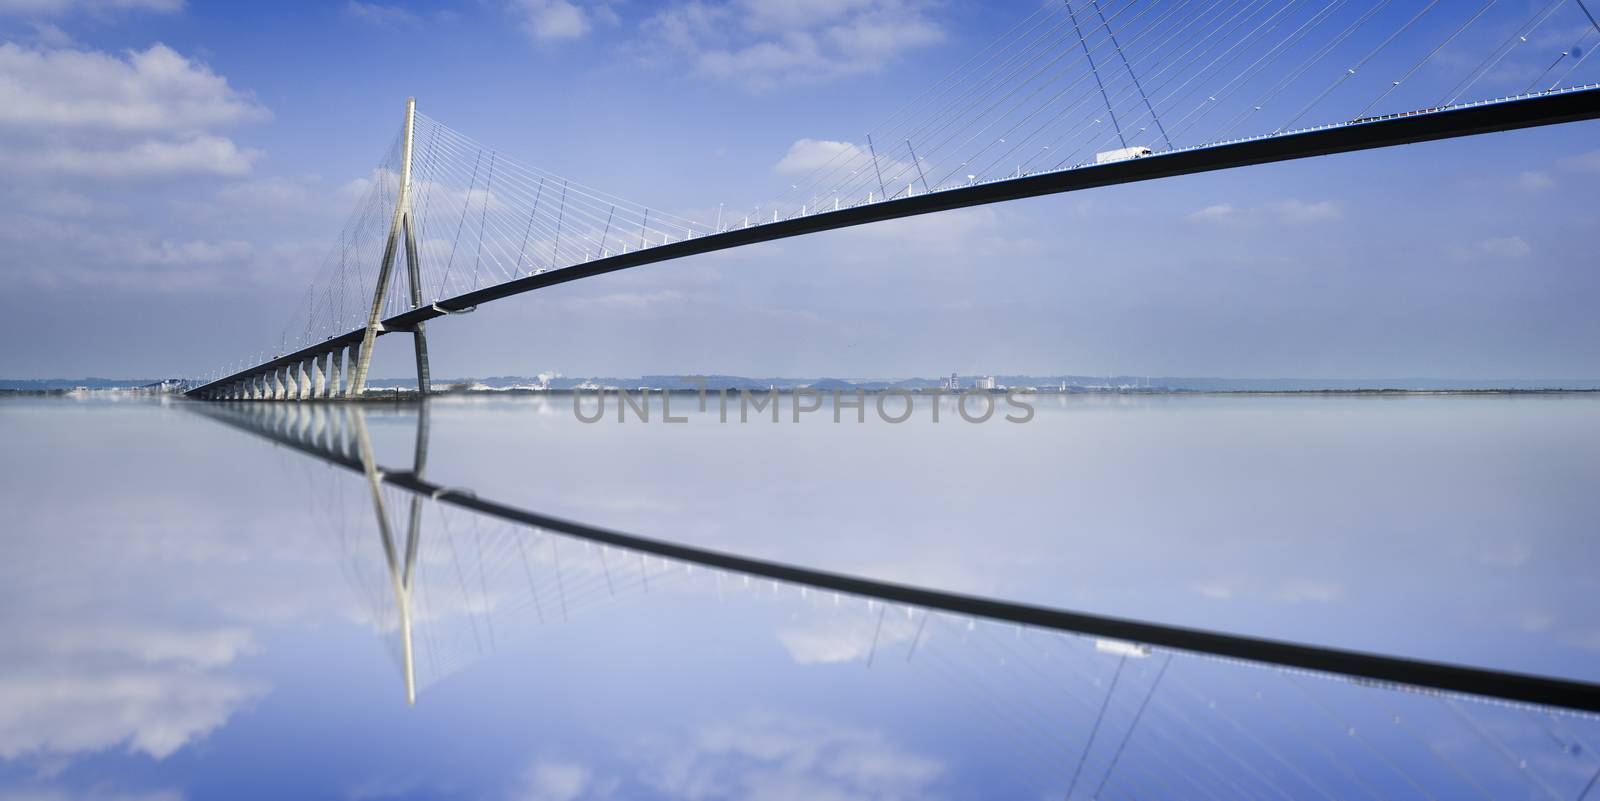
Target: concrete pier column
308,373
322,376
337,362
291,388
258,386
355,359
280,386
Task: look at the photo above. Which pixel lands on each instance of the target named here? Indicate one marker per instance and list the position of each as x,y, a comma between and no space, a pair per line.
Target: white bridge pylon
403,226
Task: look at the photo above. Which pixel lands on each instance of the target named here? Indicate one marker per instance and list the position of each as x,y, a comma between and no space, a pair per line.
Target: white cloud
1587,162
54,253
140,92
626,301
1214,213
195,155
762,44
141,114
1502,248
51,8
86,687
763,756
93,794
73,123
806,155
557,780
1535,181
57,203
1283,211
383,16
1303,590
558,20
1300,211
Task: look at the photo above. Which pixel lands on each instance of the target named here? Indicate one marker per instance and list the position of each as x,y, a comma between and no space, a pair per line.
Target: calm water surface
192,611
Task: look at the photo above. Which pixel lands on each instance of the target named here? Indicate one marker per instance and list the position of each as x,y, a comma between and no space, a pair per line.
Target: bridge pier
350,388
322,376
334,375
303,379
280,383
291,384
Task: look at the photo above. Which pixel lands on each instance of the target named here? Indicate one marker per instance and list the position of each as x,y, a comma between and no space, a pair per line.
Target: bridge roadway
325,433
1529,111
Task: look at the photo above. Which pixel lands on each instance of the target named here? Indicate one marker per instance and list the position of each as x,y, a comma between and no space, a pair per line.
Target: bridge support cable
904,121
1293,74
1577,47
1316,58
1094,731
1462,28
1208,63
1112,112
1131,75
1116,756
1357,67
1052,104
1012,100
1181,29
956,94
1516,39
994,108
1177,28
1226,59
1572,69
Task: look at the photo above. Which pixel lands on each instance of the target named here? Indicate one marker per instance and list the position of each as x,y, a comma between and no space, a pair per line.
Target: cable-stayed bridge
1078,95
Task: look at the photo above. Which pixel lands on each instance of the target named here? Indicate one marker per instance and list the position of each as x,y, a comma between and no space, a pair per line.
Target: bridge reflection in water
1090,707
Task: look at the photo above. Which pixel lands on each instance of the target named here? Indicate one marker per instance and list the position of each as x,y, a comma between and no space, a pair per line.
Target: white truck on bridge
1120,154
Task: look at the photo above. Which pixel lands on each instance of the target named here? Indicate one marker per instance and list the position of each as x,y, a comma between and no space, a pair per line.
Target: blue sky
176,171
